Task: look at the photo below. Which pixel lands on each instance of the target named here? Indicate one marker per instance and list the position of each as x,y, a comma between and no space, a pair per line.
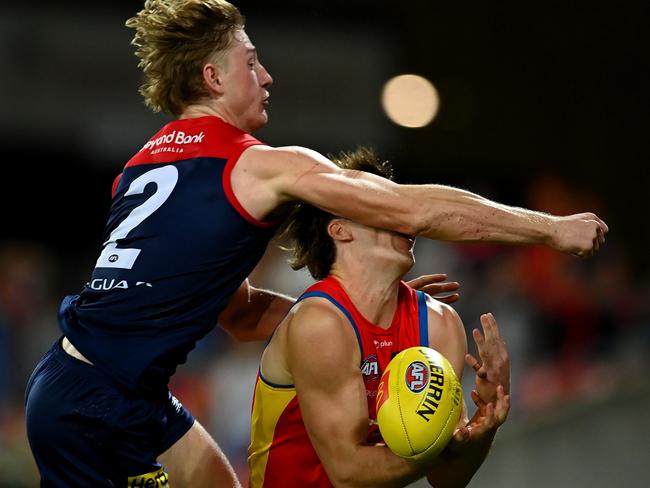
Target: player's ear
212,78
339,230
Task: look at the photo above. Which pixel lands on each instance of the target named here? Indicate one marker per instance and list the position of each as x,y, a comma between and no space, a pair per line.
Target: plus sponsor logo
382,343
172,142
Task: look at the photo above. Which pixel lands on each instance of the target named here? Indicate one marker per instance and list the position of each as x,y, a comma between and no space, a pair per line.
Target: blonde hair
173,39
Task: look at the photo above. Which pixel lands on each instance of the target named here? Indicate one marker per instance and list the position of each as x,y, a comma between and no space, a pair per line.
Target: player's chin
264,117
409,260
258,122
406,260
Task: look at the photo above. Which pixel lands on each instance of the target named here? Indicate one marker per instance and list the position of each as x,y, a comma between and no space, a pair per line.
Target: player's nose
265,78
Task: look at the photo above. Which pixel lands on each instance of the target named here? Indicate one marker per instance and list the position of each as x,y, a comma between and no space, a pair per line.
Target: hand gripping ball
419,403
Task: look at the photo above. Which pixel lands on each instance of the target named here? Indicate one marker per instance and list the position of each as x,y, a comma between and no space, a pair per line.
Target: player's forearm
457,215
434,211
274,307
253,313
455,470
370,467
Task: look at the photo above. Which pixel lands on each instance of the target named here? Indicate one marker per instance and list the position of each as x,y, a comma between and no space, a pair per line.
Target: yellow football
419,403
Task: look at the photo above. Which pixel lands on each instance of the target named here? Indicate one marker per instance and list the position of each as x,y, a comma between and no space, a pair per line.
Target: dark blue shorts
84,430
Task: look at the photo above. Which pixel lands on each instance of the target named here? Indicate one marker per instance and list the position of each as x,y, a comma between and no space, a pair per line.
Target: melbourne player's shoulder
200,137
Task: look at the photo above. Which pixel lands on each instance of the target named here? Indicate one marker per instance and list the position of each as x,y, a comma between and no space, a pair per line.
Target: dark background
543,105
558,88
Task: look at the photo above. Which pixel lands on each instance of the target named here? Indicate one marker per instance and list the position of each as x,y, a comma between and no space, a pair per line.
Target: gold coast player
191,215
319,375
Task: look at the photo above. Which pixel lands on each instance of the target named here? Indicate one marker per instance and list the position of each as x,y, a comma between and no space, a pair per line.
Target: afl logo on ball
417,376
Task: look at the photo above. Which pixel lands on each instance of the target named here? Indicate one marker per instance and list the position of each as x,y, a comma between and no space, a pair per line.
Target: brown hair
306,226
173,39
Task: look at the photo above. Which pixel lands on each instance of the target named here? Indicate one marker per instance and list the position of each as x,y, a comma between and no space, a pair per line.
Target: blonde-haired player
314,405
191,215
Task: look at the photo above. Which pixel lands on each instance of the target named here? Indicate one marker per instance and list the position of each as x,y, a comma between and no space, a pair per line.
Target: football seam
401,416
441,430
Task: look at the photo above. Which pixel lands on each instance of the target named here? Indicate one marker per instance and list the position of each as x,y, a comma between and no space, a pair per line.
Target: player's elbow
239,324
342,471
343,479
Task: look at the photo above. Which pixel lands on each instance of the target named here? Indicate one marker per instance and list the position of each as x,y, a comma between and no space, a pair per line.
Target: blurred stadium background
541,105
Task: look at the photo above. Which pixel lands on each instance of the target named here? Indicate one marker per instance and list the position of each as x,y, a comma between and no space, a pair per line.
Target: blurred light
410,100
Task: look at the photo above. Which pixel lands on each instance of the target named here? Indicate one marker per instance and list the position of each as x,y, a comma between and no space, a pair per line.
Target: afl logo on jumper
417,376
370,368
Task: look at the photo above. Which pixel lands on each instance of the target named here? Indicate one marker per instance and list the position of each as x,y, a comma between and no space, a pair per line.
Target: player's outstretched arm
433,211
493,369
471,443
253,314
323,358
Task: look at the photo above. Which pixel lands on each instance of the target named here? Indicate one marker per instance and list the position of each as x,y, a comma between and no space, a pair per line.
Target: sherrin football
419,403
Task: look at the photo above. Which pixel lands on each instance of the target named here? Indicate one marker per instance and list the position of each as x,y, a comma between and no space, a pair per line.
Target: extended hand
495,367
431,285
487,419
579,234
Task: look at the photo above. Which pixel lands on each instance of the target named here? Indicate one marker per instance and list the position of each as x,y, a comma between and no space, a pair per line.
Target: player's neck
373,291
204,109
199,110
217,109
